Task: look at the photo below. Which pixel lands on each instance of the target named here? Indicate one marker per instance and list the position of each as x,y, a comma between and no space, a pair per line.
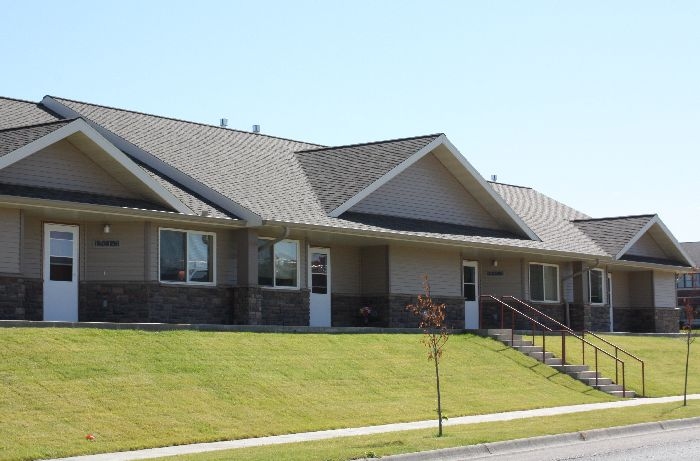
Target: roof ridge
345,146
23,127
615,217
182,120
20,100
509,185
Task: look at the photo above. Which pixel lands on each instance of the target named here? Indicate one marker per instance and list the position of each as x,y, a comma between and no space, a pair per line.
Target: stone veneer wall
154,302
247,303
345,310
634,319
666,320
21,298
285,307
400,317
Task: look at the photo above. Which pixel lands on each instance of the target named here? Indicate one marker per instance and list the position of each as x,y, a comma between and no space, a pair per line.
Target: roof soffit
85,138
464,172
663,237
163,168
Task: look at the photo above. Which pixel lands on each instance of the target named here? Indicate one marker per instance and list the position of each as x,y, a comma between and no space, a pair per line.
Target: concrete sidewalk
369,430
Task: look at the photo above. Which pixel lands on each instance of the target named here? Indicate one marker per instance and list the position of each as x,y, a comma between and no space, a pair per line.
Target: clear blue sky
594,103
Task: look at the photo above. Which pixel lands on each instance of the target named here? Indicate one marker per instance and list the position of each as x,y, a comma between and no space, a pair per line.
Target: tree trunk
439,403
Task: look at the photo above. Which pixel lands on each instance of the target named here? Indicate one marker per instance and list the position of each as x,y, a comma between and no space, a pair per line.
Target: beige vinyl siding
407,265
508,284
646,246
428,191
122,263
62,166
374,270
566,270
10,240
32,245
621,289
641,292
345,270
664,289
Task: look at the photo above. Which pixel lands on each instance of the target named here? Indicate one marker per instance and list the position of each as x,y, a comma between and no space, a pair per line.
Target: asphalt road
650,441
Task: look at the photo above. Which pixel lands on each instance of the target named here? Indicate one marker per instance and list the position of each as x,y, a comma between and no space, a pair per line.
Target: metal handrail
585,332
564,331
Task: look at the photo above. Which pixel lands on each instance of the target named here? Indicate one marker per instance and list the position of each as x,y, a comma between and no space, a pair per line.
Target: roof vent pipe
223,123
494,178
256,128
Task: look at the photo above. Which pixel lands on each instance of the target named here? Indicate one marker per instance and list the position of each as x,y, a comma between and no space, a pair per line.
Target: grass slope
136,389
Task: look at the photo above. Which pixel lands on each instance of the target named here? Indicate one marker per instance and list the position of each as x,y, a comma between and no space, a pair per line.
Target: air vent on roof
256,128
494,178
223,123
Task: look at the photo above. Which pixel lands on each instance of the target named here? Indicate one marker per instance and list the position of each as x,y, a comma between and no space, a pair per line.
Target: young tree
431,317
688,328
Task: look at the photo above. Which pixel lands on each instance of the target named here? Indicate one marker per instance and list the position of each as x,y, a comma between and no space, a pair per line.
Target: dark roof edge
509,185
614,217
386,141
54,122
58,98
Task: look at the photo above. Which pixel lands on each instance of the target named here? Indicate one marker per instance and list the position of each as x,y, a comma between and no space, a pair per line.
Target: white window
278,263
595,286
544,282
186,256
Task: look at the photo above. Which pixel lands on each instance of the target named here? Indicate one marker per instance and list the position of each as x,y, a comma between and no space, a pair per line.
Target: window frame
602,287
212,263
544,291
274,285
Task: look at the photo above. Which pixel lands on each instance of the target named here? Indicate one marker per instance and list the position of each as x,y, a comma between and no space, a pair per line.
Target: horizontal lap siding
427,191
374,270
122,263
31,246
646,246
641,292
61,166
505,279
408,265
345,270
10,238
621,289
664,289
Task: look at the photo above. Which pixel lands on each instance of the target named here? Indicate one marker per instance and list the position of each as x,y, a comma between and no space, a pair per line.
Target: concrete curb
511,446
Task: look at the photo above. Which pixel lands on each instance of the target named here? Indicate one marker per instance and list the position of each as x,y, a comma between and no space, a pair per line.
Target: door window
319,273
61,256
469,283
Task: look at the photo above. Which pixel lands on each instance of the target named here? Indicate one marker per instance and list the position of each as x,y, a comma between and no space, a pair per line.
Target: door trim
69,310
472,314
326,310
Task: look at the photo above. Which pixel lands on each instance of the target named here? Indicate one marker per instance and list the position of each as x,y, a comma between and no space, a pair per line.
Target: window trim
529,280
189,282
274,273
602,287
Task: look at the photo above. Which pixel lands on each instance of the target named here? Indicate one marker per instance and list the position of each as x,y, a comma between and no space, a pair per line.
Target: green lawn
136,389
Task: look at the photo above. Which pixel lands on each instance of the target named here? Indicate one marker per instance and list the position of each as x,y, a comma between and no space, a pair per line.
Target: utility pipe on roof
567,310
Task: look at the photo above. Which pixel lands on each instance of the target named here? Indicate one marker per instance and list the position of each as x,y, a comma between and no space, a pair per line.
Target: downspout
269,243
567,307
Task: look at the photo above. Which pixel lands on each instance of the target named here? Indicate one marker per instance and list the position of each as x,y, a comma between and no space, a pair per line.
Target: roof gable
332,173
636,238
84,138
692,249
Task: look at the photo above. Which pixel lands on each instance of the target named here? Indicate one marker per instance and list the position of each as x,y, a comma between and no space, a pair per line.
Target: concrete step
608,387
541,356
570,368
553,361
592,381
586,374
627,394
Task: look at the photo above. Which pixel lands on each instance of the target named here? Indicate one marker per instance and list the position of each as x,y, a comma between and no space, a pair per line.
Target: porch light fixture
494,263
107,229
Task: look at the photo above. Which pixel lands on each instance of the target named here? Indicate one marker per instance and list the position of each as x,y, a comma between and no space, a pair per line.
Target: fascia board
387,177
674,242
79,125
489,190
120,212
160,166
636,237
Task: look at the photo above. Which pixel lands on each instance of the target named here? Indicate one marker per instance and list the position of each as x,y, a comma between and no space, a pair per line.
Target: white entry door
320,284
61,272
470,291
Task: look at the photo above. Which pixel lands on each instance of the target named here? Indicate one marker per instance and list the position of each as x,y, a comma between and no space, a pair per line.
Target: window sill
188,284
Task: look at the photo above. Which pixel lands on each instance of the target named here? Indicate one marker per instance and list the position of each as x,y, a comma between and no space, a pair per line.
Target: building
114,215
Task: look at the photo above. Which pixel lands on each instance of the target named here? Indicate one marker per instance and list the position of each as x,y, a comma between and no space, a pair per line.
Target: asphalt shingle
16,113
612,234
12,139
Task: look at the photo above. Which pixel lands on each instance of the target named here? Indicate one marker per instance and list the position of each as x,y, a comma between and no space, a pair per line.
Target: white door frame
61,295
471,307
320,303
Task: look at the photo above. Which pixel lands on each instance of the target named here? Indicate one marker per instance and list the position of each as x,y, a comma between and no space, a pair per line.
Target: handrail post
596,367
502,317
563,347
616,364
643,391
624,386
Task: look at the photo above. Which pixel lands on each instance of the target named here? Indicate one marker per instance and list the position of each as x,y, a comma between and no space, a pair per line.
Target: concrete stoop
582,373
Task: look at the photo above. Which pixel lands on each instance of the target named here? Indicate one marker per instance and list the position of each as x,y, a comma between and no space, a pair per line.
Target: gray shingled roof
257,171
692,249
16,113
612,234
12,139
339,173
549,219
